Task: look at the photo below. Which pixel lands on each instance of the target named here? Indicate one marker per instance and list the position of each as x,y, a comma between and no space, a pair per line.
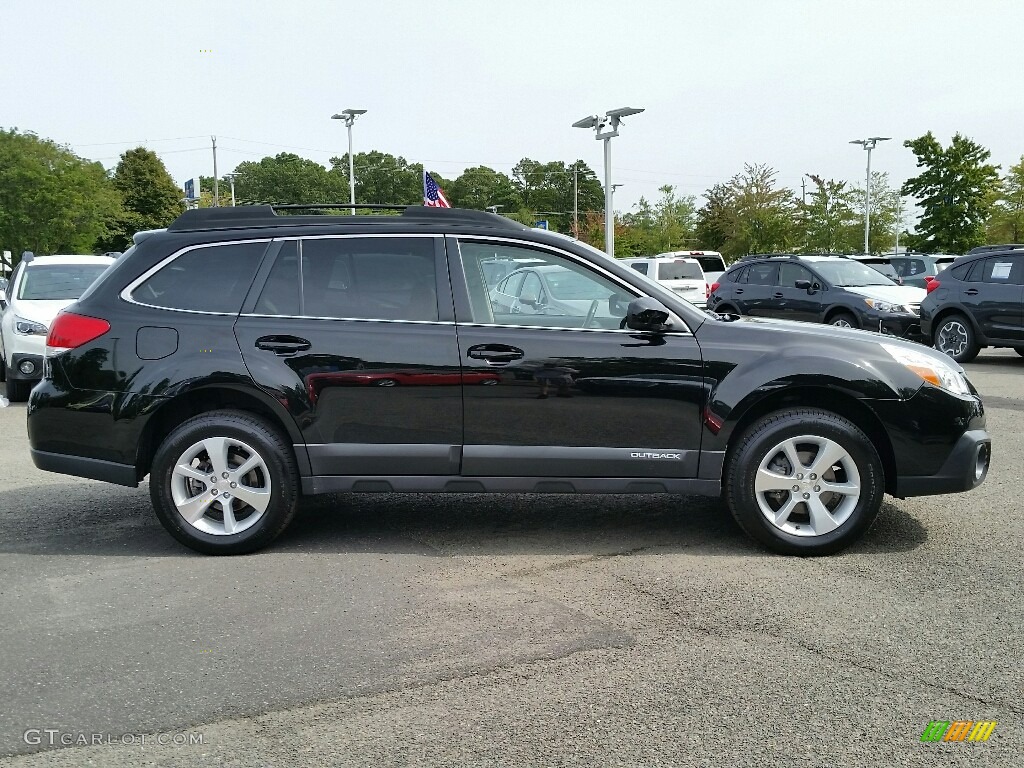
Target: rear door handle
282,345
495,354
777,295
739,290
971,291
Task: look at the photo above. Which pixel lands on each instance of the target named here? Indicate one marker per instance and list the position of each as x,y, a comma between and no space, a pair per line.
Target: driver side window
554,291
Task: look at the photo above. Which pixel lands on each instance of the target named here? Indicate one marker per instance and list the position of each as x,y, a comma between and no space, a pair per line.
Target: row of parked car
959,304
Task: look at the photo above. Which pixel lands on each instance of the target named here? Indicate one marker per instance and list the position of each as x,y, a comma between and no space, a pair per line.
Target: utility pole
216,188
899,223
803,190
575,201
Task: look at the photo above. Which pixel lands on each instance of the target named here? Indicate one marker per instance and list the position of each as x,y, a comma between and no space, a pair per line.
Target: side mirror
647,314
803,285
527,301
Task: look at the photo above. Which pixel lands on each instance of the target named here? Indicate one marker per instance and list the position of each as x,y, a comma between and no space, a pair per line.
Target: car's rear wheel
954,336
224,482
17,391
843,320
804,482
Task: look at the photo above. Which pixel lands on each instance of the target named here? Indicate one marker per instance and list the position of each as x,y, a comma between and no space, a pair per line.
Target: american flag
433,197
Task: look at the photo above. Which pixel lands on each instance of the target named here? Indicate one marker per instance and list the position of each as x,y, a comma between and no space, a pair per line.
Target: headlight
935,371
29,327
885,306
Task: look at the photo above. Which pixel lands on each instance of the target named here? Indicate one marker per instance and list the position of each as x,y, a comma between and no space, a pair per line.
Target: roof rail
989,248
253,216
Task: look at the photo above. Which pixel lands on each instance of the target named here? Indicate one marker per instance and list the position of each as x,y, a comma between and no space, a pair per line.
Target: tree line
53,201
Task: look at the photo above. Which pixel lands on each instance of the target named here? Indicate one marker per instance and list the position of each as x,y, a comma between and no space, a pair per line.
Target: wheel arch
841,309
956,309
827,399
214,398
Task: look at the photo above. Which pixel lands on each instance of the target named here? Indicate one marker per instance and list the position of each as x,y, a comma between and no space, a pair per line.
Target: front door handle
971,291
495,354
777,295
739,290
282,345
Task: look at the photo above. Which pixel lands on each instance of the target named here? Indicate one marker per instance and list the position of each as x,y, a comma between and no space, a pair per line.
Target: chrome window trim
347,319
563,328
126,293
576,260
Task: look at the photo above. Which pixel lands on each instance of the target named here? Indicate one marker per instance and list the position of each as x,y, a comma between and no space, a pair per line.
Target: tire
759,482
955,337
728,309
3,369
272,485
17,391
843,320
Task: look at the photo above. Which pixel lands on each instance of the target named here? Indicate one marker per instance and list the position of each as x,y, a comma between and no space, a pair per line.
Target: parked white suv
710,261
683,276
40,287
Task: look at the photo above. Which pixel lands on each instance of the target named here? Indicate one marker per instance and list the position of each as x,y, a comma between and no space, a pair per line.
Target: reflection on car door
993,292
792,303
355,335
572,401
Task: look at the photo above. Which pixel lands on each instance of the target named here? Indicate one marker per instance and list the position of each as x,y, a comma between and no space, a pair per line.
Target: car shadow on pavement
100,520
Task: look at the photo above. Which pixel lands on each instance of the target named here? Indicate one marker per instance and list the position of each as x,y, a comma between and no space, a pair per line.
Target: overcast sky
457,83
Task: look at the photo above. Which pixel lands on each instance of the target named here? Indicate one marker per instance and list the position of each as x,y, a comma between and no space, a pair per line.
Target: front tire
224,483
804,482
843,320
955,337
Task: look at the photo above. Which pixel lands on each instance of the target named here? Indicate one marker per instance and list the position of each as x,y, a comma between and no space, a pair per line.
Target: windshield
850,274
58,282
679,270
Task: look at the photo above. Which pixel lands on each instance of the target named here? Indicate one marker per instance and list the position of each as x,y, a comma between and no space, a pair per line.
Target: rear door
792,303
994,292
355,334
755,294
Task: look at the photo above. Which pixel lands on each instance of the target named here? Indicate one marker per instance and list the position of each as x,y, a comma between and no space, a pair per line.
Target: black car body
977,302
240,356
818,289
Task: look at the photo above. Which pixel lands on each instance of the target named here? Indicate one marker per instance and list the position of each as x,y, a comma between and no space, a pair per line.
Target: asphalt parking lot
516,630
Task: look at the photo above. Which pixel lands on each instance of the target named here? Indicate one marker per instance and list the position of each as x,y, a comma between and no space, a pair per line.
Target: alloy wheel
952,338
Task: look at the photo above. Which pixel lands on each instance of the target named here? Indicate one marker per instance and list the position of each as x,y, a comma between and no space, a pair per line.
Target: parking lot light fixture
868,144
349,117
606,127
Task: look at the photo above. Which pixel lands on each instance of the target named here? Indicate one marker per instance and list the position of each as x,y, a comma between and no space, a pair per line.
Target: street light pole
349,116
231,177
868,144
606,128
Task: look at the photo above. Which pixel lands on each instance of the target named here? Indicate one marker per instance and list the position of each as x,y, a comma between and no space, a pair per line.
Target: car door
792,303
355,334
578,396
754,294
993,293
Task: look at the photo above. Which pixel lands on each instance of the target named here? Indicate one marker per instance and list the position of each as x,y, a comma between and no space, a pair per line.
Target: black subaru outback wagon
243,358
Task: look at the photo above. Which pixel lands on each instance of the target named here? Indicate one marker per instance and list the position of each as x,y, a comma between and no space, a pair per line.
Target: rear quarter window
208,278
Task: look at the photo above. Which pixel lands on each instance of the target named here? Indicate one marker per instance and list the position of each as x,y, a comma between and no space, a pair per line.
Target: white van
682,275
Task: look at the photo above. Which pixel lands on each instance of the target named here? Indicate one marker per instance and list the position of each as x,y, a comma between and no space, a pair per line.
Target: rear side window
679,270
640,266
213,278
960,271
761,274
736,275
999,270
371,278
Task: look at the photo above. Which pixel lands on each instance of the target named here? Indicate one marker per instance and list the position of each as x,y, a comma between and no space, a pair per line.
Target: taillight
70,331
931,285
714,287
707,290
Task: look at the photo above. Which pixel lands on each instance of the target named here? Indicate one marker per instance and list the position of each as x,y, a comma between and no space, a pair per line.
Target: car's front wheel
955,337
224,482
843,320
804,482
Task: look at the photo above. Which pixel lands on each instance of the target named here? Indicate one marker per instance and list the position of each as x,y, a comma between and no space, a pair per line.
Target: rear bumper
80,466
14,368
964,470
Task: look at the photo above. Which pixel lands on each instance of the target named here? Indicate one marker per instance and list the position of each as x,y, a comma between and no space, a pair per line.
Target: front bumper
964,469
15,373
903,326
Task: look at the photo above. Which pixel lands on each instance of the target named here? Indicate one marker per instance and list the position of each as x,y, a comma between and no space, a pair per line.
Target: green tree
955,191
712,229
1006,224
285,178
885,215
383,178
150,196
828,217
51,200
667,225
546,189
749,214
481,187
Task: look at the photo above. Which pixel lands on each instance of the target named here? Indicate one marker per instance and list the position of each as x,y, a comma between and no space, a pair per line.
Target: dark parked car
238,360
977,302
818,289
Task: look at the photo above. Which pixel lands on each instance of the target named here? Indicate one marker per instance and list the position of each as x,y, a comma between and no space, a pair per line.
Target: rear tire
804,482
17,391
188,485
955,337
